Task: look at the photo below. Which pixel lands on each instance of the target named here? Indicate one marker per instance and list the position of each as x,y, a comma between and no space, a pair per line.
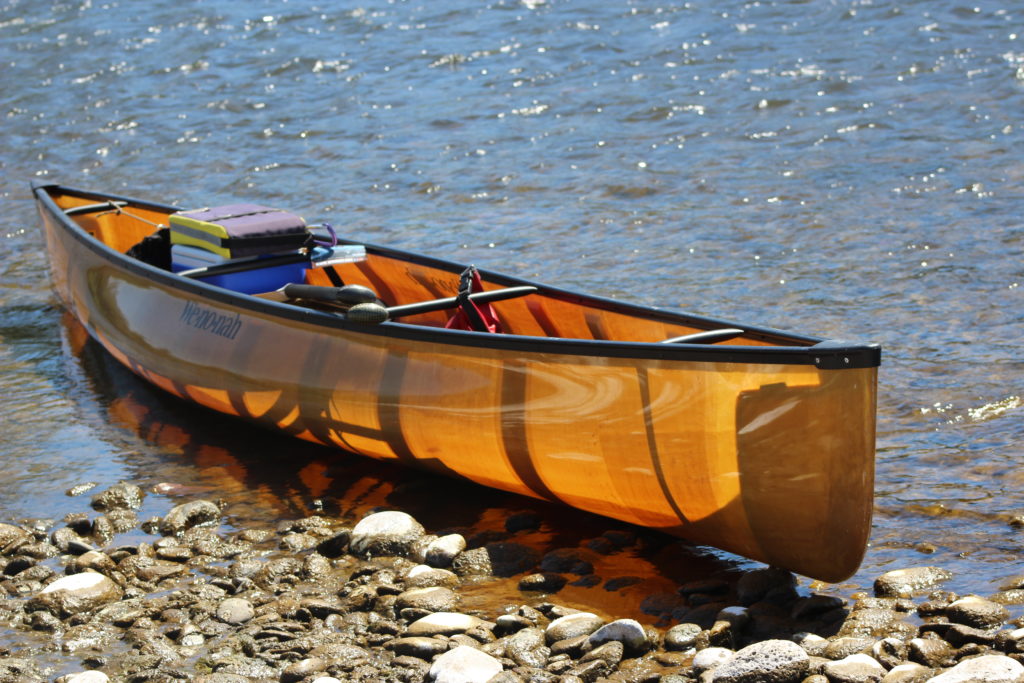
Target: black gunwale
822,353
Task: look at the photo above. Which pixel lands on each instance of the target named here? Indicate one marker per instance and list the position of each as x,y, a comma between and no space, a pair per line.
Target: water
849,169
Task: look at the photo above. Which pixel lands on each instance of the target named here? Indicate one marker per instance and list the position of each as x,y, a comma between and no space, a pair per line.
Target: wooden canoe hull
768,459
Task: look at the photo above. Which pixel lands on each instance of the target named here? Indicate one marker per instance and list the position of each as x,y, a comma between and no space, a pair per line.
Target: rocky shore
381,599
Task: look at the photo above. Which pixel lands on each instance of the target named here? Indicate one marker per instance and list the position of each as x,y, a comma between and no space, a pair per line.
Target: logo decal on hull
208,320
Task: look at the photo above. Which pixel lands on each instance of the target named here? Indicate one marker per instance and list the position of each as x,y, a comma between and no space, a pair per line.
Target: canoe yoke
361,304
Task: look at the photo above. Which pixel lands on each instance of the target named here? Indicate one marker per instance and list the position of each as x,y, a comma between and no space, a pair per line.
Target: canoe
751,440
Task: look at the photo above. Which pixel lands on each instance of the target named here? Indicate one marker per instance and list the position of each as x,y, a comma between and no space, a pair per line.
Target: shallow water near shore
846,169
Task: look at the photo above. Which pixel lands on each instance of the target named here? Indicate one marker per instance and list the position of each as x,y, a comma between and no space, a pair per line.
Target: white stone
441,551
85,581
629,632
984,669
385,533
326,679
911,671
711,657
446,623
464,664
572,625
855,667
87,677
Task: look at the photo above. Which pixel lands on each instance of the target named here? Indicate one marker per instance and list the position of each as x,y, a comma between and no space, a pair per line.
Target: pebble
910,672
906,582
984,669
76,593
433,599
573,625
464,665
770,660
385,533
86,677
188,515
314,600
443,623
235,611
442,551
977,612
629,632
711,658
858,668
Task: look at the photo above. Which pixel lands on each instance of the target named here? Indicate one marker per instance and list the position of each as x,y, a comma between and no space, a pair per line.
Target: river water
851,169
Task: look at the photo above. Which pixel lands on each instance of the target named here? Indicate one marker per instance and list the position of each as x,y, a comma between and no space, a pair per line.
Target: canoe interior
767,455
398,280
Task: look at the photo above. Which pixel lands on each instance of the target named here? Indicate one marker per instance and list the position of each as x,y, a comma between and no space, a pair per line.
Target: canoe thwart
92,208
452,301
706,337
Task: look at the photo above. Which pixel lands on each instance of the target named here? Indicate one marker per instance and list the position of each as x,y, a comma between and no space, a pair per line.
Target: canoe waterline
763,448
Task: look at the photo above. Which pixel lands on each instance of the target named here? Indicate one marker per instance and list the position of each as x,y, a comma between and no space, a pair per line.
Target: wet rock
473,562
546,582
845,646
977,612
959,635
774,585
509,558
770,661
986,669
189,515
301,669
418,646
907,582
567,561
682,637
527,648
122,496
434,599
611,652
815,605
235,611
76,593
572,625
422,576
12,536
930,652
336,544
859,668
812,643
442,551
443,623
889,652
629,632
910,672
464,664
385,533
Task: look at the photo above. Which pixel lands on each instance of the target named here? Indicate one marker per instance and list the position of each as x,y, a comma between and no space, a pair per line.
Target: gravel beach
381,598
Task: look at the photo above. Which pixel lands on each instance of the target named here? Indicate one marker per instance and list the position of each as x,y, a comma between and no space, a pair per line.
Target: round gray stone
770,661
385,533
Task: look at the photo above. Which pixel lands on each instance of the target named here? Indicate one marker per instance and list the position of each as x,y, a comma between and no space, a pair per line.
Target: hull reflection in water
633,572
762,446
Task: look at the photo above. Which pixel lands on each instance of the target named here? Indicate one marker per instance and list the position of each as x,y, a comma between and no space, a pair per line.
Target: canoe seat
706,337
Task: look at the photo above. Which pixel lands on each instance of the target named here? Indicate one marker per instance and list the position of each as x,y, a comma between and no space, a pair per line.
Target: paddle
364,309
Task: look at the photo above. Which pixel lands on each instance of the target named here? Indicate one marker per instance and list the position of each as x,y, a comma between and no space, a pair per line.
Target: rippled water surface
851,169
